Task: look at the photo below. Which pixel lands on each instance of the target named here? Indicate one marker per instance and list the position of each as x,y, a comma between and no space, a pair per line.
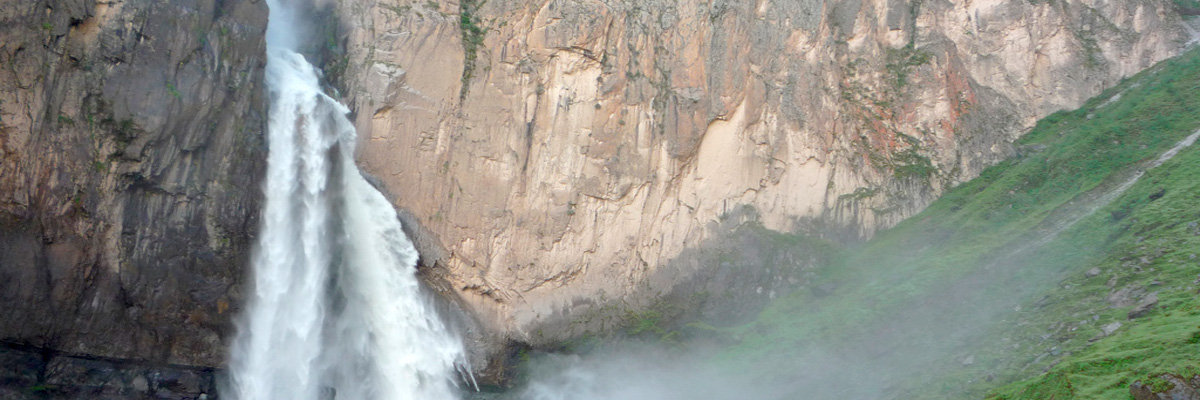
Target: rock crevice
131,142
590,144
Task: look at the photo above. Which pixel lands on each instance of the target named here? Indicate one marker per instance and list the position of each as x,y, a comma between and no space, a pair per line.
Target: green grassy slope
1010,274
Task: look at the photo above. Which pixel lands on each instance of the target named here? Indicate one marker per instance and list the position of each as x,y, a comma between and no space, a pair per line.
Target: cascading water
336,310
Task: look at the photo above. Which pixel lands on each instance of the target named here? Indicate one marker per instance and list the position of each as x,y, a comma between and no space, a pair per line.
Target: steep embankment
130,151
564,154
1078,257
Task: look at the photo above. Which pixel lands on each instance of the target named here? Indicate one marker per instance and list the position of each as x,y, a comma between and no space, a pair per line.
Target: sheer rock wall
563,154
131,148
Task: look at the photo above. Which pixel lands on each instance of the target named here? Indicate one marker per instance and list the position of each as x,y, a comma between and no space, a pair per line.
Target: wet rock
35,373
20,368
132,147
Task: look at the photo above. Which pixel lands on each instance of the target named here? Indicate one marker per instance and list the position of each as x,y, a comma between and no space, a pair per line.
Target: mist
637,372
921,318
880,359
914,317
888,356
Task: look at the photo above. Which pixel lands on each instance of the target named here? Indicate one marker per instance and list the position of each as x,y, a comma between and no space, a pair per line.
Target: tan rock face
595,141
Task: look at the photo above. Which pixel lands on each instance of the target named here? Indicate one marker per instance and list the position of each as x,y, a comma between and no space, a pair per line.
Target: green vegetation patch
1187,7
472,39
1153,247
1021,283
901,61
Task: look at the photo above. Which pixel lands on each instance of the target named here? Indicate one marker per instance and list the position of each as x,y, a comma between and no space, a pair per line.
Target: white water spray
336,311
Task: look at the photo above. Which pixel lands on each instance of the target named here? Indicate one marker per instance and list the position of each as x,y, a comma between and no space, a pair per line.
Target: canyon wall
560,162
131,149
563,157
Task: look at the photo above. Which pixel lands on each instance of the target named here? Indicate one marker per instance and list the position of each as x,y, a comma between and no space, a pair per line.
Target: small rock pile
1179,389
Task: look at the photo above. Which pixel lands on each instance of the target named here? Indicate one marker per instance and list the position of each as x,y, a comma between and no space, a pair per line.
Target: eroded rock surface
555,156
562,152
130,153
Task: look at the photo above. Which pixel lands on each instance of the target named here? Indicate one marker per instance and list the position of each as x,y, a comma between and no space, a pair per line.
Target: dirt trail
919,335
1089,202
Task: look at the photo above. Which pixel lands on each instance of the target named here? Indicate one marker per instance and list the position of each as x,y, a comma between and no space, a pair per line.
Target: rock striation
562,155
130,154
559,162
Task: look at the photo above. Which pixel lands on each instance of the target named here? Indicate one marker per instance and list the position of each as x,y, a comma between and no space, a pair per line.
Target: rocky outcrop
562,152
1167,386
130,150
27,373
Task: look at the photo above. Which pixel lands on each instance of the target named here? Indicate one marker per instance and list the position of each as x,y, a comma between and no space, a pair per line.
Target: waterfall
336,310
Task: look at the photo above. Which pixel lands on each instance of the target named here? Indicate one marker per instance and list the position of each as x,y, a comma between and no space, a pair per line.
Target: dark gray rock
131,147
34,373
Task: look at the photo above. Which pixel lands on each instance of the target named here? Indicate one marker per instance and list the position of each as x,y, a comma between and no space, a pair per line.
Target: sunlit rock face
130,155
563,154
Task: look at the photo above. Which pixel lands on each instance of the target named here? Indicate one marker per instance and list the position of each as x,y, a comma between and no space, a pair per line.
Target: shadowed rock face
554,155
130,153
562,153
37,374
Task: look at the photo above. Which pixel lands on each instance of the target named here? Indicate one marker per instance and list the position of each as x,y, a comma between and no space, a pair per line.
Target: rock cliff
557,159
130,154
563,154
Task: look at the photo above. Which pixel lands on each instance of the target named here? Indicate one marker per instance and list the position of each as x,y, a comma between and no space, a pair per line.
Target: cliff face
561,154
554,155
130,151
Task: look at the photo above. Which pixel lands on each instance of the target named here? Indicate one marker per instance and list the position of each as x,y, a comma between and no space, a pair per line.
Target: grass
1193,5
1155,247
171,90
900,62
909,164
985,292
472,39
